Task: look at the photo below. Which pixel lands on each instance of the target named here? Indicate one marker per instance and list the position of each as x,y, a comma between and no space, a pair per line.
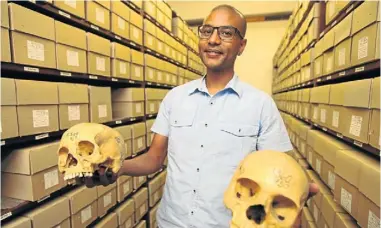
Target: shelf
158,85
57,14
151,116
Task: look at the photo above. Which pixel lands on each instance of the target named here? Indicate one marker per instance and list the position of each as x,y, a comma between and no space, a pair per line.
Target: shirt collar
200,86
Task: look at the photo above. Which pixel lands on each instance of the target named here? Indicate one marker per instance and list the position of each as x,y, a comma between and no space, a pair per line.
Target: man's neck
217,80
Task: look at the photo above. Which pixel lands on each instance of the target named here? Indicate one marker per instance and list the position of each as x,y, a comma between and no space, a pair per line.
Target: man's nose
214,38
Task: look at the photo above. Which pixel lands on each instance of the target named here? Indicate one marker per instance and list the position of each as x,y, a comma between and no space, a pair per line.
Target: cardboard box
50,214
136,19
100,104
152,217
320,94
149,27
364,45
137,72
125,213
375,94
110,221
364,15
306,217
368,212
37,112
120,9
136,34
150,8
73,7
73,104
97,14
120,26
19,222
128,102
98,55
150,134
344,220
106,200
150,74
330,209
5,45
139,135
318,66
124,187
329,62
139,181
141,203
150,41
9,122
374,129
342,55
153,187
142,224
4,15
315,113
121,57
83,206
126,133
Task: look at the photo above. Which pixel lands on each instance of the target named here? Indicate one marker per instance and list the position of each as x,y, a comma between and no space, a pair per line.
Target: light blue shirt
208,136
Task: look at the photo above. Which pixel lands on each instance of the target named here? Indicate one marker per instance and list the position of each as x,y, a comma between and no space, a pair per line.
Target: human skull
86,147
268,189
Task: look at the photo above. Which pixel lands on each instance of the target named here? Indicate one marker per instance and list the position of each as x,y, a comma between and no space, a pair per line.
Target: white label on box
85,214
323,115
100,15
140,142
316,215
107,199
122,68
342,57
331,180
152,107
150,73
74,112
373,220
71,3
137,72
318,166
51,179
142,209
356,123
159,76
317,67
138,107
102,111
150,40
121,23
315,113
335,119
135,33
40,118
126,187
100,63
362,48
72,58
329,64
36,50
346,200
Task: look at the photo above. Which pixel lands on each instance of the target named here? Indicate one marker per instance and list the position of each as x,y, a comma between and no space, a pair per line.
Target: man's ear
242,46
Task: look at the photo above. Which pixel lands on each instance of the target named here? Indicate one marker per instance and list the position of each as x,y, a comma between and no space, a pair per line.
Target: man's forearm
142,165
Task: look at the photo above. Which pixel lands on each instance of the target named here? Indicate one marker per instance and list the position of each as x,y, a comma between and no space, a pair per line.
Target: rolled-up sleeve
161,124
272,133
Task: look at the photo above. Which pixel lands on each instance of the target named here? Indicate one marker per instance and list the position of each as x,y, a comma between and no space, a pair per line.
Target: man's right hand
100,177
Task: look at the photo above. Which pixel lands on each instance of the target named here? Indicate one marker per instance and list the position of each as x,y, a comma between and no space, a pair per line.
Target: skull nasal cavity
256,213
85,148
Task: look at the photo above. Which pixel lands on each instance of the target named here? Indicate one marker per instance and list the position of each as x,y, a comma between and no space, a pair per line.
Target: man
208,126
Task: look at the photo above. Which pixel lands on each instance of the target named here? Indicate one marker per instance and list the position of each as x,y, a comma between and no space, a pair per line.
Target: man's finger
314,189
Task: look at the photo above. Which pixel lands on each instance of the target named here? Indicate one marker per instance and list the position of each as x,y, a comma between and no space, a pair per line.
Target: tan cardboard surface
32,50
19,222
36,92
104,3
86,216
128,109
70,93
361,98
98,44
8,91
65,34
324,115
120,68
70,115
74,7
343,55
364,45
35,119
150,41
119,8
9,122
5,45
137,72
128,94
138,181
101,190
345,159
80,198
142,224
98,14
71,59
137,57
125,131
368,212
110,221
343,29
106,201
31,22
136,19
125,210
100,104
138,129
318,66
152,217
121,52
329,62
140,197
124,189
375,94
136,34
356,123
120,26
329,209
149,27
328,175
344,220
369,180
364,15
347,195
98,64
150,74
320,94
4,15
374,129
328,40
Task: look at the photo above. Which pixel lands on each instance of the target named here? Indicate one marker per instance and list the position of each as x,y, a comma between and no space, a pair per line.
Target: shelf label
118,37
339,135
357,143
31,69
93,77
319,80
334,23
349,8
41,136
149,83
133,44
94,27
132,119
329,77
6,215
130,81
342,73
65,74
324,129
359,69
64,14
42,199
118,122
33,1
2,142
114,79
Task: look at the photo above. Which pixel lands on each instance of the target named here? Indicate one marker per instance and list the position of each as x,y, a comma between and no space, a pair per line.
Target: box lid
375,97
50,214
31,160
361,98
29,21
19,222
364,15
125,210
369,183
4,14
128,94
136,19
125,131
138,129
328,40
70,93
327,146
81,197
140,197
154,185
98,94
320,94
65,34
149,27
110,220
137,57
101,190
336,95
98,44
343,29
150,61
36,92
120,9
8,91
120,52
348,158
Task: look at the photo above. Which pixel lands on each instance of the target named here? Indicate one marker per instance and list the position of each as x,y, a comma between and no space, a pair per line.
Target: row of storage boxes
32,107
337,107
122,204
347,196
352,42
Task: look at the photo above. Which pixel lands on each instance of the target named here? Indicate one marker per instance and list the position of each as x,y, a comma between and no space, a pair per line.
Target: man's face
218,54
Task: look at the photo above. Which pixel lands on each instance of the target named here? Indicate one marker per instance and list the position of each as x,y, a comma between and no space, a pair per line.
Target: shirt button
202,146
194,191
198,170
192,212
206,125
211,103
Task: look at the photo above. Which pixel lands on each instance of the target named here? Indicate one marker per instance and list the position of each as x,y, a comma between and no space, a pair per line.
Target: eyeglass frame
217,27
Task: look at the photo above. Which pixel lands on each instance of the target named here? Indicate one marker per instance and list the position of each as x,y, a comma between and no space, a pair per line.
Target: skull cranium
268,189
86,147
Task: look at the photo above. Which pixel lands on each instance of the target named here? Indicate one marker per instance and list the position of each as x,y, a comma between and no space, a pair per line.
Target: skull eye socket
85,148
246,188
283,208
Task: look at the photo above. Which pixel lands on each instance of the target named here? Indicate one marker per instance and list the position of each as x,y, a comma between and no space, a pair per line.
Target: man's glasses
226,33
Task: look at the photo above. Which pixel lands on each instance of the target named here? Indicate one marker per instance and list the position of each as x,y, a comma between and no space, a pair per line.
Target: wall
254,66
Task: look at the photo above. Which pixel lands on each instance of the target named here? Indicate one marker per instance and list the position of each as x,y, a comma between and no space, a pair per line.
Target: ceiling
192,10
